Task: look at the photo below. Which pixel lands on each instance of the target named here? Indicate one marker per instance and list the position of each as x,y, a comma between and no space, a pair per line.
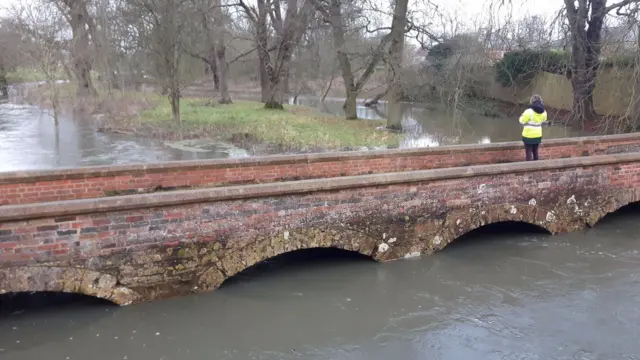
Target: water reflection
428,126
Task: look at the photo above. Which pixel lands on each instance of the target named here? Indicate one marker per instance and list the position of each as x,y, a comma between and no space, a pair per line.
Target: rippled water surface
495,295
29,140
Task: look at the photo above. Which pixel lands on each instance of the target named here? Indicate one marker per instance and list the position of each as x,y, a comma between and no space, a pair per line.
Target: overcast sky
470,8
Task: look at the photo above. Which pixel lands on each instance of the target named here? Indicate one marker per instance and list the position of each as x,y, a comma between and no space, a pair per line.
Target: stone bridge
135,233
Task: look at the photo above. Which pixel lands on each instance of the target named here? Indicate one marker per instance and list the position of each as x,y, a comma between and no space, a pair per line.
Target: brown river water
502,292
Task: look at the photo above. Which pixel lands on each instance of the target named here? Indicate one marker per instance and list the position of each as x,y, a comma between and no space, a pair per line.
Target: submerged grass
296,127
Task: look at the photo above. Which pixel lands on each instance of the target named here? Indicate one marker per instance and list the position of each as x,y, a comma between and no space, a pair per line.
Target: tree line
297,46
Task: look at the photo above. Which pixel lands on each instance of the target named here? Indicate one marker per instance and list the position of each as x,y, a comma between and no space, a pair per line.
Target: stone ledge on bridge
142,247
24,187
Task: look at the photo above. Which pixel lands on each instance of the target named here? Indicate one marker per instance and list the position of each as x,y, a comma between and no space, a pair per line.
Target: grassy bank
248,125
245,124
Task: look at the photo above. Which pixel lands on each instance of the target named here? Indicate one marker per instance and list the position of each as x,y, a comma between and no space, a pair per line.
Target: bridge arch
611,205
67,280
299,260
240,258
459,223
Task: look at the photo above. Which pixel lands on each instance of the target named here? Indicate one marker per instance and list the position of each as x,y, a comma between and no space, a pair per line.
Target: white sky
470,8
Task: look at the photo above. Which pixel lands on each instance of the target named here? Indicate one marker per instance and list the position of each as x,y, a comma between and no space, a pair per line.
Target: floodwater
29,139
491,295
431,125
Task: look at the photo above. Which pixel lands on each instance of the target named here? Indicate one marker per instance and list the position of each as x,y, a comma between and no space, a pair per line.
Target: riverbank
245,124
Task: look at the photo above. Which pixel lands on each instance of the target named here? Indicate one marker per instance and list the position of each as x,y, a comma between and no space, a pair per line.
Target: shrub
521,66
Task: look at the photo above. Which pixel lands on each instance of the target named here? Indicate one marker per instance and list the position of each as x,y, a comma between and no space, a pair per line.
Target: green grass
296,127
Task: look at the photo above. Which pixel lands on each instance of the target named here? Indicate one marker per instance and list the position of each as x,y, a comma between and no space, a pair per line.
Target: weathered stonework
137,248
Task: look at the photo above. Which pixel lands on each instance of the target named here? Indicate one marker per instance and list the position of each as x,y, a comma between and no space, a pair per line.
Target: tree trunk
286,88
223,70
81,51
351,86
586,22
262,39
582,108
275,99
4,84
213,67
351,106
221,59
636,89
290,32
337,29
394,64
174,100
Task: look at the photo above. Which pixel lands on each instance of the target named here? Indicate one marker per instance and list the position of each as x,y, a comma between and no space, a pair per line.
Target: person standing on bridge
532,120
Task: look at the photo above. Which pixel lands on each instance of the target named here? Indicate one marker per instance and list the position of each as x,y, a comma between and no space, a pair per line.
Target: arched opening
626,213
303,260
17,303
499,231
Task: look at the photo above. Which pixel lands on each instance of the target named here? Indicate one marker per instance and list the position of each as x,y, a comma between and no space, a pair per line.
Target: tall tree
222,66
586,19
258,18
394,64
332,11
207,42
288,27
162,34
81,23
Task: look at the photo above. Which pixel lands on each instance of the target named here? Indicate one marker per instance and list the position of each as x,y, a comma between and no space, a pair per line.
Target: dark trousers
531,151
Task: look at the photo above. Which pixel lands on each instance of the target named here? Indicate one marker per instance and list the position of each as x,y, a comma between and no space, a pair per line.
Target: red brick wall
93,182
129,236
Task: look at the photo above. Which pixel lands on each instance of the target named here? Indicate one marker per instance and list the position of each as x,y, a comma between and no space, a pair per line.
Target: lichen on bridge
135,248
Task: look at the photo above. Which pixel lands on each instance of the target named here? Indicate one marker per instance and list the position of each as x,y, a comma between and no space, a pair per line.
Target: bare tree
222,66
288,31
81,23
163,32
394,64
586,19
10,48
333,13
41,30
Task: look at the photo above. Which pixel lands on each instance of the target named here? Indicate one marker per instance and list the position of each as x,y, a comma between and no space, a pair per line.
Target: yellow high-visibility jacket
532,123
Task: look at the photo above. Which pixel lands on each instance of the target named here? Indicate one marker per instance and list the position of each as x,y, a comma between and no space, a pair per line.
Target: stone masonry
140,247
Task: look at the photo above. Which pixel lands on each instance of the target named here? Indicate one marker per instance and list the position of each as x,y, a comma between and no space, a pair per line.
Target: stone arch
461,222
65,279
605,206
236,259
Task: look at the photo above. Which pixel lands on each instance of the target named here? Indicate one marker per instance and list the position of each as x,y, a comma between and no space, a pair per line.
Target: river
492,295
505,293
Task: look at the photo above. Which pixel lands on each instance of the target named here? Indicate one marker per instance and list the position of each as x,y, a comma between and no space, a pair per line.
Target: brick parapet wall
26,187
231,228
